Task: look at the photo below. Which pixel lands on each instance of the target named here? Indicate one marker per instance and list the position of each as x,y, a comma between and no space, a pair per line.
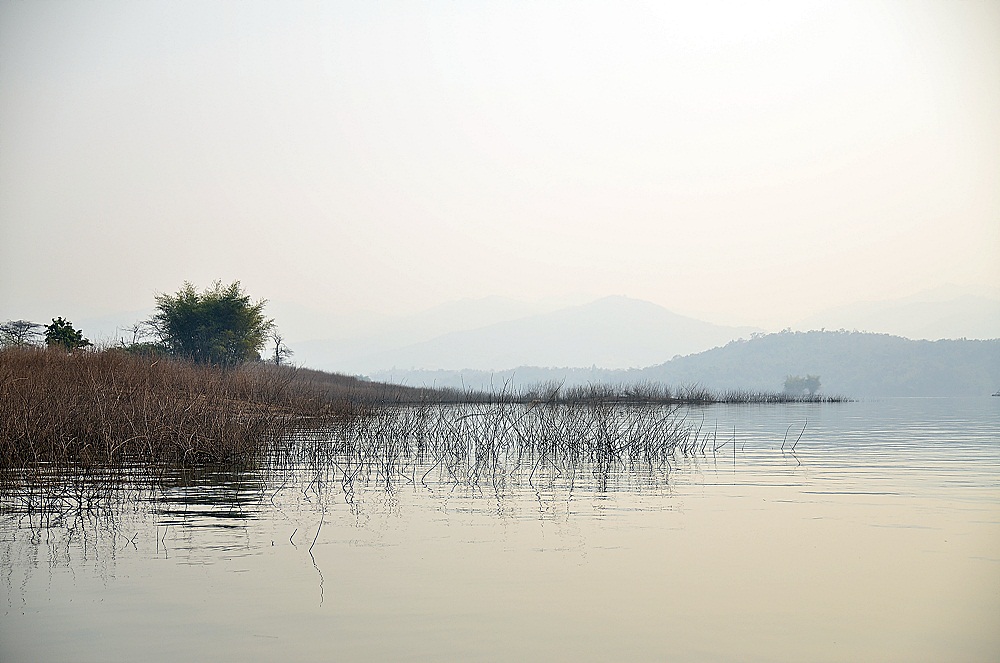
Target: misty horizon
742,165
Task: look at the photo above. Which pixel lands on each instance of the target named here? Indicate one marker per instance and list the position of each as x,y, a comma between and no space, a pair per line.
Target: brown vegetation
112,408
98,408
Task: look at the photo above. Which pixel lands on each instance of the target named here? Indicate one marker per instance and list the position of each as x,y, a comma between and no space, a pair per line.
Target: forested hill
853,364
850,363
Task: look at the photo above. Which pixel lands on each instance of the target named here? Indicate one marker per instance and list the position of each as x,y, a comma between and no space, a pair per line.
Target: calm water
877,539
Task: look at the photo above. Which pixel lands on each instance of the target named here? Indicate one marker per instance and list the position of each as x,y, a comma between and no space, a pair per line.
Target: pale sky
745,163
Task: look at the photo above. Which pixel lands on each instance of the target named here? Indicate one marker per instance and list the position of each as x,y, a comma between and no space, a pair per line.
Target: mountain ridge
610,332
851,364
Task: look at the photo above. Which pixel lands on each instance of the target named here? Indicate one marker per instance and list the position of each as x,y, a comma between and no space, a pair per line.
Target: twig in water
313,558
321,517
806,423
785,439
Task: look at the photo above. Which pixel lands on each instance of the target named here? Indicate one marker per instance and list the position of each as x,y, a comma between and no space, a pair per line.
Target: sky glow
744,164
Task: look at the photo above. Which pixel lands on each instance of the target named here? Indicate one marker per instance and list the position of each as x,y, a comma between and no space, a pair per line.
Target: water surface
877,538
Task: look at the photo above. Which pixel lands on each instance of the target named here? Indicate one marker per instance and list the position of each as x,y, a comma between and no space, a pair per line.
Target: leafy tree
220,325
62,334
15,333
797,385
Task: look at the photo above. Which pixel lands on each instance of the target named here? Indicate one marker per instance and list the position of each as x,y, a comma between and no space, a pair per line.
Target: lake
822,532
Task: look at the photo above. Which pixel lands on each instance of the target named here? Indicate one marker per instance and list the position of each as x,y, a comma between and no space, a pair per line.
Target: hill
357,348
850,363
613,332
854,364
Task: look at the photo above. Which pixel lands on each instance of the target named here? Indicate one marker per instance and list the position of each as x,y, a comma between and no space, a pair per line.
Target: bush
220,325
61,334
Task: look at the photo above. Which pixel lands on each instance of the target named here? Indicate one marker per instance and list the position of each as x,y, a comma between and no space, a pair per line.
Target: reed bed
499,446
110,417
481,447
475,448
644,393
90,434
110,408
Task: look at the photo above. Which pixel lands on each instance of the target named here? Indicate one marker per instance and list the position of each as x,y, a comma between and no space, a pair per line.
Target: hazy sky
746,163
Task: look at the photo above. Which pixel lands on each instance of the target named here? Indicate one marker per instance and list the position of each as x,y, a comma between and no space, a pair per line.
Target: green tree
61,334
220,325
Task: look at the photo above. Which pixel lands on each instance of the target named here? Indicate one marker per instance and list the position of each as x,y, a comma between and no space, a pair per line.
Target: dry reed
105,408
111,409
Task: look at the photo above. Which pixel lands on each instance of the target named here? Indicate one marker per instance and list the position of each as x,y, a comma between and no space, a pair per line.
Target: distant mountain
613,332
852,364
353,352
848,363
946,312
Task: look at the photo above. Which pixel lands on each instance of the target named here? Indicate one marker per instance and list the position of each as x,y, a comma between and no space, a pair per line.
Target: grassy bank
111,407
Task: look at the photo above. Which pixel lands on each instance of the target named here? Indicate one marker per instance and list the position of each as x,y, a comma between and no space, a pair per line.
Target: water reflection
209,497
512,454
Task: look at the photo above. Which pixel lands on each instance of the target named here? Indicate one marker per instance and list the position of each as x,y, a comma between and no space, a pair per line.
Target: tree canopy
797,385
219,325
62,334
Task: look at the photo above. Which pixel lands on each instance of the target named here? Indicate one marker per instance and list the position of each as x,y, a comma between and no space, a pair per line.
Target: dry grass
80,432
104,408
111,409
644,393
